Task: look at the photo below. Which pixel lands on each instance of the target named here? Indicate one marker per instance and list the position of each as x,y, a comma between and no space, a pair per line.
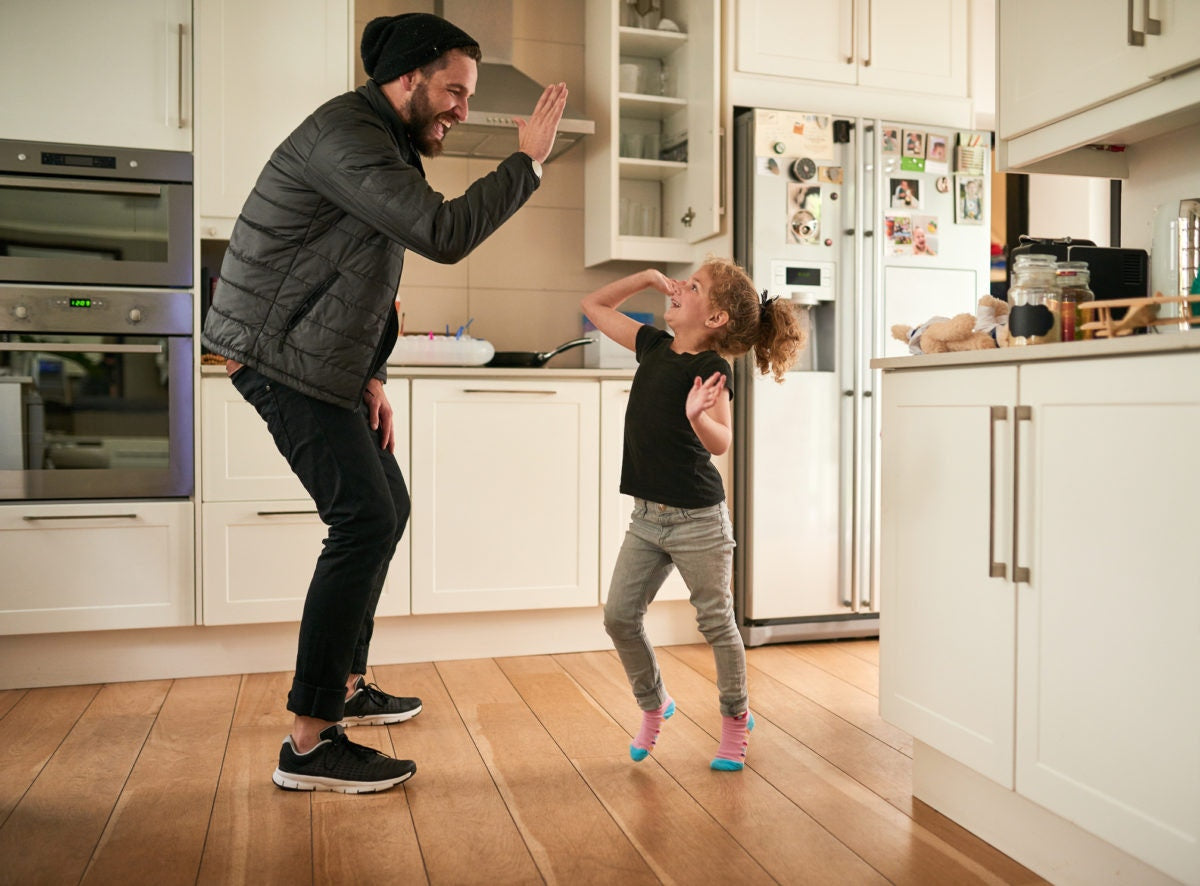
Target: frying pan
534,359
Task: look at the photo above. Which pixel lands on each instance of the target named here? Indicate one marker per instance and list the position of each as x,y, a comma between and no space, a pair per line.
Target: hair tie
764,304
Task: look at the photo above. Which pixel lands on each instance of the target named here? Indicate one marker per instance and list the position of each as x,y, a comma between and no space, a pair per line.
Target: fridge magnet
804,213
891,142
831,174
970,160
936,153
912,164
898,229
924,234
942,184
968,203
906,193
914,143
803,169
767,166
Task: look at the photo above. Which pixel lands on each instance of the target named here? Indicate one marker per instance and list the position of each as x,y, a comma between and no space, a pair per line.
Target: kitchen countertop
480,372
1152,343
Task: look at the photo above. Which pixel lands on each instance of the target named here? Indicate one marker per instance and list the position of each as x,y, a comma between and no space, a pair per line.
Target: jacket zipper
306,306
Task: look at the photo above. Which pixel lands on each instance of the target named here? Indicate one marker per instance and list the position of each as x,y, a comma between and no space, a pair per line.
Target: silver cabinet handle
1022,413
506,391
996,569
853,33
1153,26
284,513
69,184
34,518
180,89
51,347
1135,37
870,35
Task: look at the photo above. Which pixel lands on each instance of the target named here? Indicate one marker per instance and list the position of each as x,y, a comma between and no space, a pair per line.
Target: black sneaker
338,764
371,706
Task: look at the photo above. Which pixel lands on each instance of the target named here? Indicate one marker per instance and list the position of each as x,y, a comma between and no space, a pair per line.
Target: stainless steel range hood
502,92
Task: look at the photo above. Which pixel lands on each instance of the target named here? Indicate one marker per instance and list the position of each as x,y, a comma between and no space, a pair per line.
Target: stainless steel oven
96,393
73,214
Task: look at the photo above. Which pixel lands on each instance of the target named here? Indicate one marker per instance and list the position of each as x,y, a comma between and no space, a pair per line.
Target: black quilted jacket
307,289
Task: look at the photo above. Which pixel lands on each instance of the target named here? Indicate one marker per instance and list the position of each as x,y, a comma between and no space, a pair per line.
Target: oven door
96,414
95,231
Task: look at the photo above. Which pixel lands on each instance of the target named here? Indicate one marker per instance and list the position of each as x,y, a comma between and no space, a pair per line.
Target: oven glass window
84,402
97,221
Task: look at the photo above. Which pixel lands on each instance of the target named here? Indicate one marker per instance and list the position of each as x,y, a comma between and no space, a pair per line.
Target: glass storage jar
1074,289
1033,317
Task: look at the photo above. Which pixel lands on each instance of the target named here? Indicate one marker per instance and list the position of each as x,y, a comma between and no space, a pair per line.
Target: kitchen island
1040,603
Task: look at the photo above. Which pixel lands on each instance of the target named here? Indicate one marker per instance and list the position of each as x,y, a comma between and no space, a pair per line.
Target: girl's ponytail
780,337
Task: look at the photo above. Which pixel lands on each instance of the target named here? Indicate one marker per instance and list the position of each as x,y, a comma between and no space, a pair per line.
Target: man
304,312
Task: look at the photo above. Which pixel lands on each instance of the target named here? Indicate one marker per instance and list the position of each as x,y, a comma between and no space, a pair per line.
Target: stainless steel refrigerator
863,224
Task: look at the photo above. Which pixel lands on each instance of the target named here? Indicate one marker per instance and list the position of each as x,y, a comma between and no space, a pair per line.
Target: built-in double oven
96,323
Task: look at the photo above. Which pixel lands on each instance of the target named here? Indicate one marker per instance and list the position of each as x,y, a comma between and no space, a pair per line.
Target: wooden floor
523,776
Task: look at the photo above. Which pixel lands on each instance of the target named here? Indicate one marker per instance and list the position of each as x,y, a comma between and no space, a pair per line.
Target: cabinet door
116,73
913,47
808,41
1108,712
259,557
947,611
96,566
615,508
506,478
1054,59
261,68
239,459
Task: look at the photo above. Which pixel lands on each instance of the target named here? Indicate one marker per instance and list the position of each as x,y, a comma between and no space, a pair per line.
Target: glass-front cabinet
653,166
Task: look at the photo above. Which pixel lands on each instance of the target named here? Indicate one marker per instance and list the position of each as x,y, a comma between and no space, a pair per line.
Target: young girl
678,418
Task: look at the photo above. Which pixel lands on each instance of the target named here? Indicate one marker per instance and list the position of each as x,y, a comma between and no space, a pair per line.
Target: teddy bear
962,332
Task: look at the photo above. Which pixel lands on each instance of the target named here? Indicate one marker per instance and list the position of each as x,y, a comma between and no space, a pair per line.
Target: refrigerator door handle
996,569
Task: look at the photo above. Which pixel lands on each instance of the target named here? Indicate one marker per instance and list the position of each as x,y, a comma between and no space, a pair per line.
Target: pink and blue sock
731,755
652,722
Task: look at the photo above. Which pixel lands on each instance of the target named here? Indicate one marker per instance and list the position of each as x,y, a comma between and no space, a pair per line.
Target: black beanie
393,45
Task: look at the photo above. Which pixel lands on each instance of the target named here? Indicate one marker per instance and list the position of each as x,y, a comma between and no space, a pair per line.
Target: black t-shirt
664,461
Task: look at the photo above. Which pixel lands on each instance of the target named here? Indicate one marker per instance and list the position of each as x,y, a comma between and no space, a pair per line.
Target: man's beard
421,120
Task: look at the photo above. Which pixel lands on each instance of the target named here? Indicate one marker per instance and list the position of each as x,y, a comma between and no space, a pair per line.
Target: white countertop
1152,343
479,372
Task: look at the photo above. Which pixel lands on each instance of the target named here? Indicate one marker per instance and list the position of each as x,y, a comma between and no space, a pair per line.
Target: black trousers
361,496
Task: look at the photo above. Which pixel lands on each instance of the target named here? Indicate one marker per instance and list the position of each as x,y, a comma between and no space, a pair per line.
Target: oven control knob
20,312
135,315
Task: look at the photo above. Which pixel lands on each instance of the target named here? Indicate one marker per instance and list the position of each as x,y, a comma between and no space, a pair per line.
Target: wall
1162,171
1069,206
523,285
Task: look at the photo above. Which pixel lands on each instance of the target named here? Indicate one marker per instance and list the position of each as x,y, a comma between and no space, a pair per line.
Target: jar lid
1071,268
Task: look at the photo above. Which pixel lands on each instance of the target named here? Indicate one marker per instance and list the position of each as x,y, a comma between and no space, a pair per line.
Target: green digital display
80,302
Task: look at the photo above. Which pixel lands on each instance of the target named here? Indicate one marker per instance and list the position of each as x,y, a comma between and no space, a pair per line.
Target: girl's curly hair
770,326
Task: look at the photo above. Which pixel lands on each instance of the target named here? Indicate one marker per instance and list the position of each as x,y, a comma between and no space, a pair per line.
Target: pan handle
573,343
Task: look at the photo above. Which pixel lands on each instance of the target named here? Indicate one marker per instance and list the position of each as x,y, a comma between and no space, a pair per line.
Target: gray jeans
699,543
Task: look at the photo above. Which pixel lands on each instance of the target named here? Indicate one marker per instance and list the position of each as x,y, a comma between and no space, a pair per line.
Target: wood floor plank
832,658
30,734
467,835
789,844
258,833
52,832
262,701
867,650
878,766
156,832
877,830
853,704
8,698
571,836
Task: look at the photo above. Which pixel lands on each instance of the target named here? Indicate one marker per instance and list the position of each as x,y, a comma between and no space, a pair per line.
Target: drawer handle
284,513
506,391
1136,37
996,569
33,518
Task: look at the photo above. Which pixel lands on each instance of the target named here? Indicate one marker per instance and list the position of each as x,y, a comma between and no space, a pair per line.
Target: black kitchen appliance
1116,272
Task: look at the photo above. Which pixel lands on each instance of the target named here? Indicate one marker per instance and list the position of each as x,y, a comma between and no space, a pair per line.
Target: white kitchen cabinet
261,68
117,73
615,508
1060,664
505,479
140,557
1067,79
904,47
261,534
652,172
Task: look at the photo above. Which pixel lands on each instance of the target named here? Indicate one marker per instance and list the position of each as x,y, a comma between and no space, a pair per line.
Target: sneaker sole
291,782
380,719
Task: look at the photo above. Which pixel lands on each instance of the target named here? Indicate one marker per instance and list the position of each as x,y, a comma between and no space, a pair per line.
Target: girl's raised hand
704,394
